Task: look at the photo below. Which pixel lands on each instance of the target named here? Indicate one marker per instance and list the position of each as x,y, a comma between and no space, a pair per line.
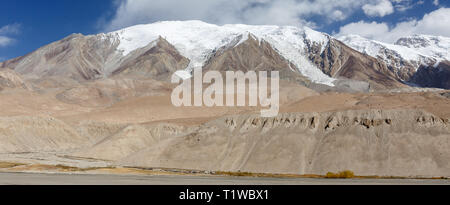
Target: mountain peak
198,40
433,46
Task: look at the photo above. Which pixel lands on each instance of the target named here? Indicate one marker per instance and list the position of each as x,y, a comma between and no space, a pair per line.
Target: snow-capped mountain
197,41
407,55
437,47
156,50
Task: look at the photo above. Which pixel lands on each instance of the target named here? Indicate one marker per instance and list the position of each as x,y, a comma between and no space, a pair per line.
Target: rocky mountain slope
410,57
158,60
340,61
11,79
253,54
167,47
78,57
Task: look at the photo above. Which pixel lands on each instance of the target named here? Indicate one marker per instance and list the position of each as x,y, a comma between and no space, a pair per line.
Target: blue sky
43,21
26,25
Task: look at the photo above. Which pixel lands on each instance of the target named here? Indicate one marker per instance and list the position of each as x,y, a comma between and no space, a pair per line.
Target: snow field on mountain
422,49
197,41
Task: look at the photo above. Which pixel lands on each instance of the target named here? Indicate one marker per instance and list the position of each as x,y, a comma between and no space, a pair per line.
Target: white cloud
369,30
5,41
339,15
403,5
382,8
436,2
8,30
280,12
434,23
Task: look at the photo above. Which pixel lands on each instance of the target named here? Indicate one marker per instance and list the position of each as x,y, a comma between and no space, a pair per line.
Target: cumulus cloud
434,23
7,30
371,30
381,8
279,12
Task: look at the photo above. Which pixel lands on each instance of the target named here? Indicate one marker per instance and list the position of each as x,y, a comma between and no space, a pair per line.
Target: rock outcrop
383,143
433,76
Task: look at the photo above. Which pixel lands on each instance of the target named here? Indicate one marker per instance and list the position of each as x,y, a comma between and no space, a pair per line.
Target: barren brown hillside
120,123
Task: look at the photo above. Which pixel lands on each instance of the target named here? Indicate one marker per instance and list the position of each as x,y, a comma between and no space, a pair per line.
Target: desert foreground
51,125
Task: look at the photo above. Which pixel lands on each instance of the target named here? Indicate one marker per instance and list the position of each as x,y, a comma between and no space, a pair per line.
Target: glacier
197,41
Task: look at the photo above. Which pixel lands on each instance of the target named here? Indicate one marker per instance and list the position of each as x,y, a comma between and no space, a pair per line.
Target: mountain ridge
321,58
408,56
